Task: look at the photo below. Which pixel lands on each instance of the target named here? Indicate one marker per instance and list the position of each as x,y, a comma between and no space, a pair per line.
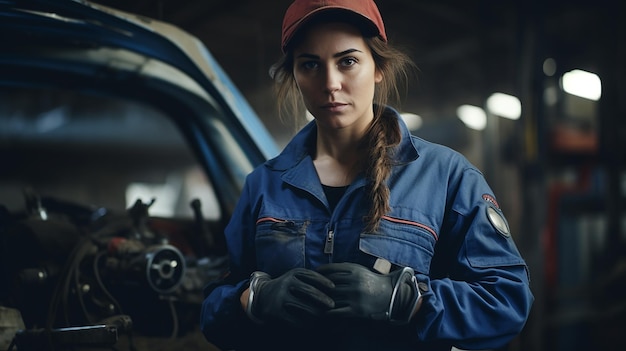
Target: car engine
75,276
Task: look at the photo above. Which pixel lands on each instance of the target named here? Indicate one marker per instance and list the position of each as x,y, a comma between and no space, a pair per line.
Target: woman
359,236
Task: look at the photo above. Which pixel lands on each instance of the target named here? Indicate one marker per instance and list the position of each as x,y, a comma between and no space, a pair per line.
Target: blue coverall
444,222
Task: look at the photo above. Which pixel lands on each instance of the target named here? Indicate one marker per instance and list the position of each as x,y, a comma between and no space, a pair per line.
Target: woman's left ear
378,76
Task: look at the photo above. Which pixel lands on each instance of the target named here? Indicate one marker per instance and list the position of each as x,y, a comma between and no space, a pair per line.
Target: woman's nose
332,80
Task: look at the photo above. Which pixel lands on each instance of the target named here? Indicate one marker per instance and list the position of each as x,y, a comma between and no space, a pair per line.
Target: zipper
329,244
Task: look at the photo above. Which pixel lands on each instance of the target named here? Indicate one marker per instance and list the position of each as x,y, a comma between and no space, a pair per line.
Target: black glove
296,297
362,293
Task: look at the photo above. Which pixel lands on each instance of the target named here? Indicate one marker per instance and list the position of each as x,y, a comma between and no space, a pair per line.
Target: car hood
152,49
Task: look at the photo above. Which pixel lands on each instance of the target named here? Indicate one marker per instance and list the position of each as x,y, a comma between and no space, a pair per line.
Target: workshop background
556,161
555,156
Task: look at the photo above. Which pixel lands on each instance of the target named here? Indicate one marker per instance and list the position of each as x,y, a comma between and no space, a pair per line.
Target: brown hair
384,132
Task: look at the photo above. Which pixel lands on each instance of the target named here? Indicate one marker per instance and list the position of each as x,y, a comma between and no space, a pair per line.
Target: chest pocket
280,244
403,243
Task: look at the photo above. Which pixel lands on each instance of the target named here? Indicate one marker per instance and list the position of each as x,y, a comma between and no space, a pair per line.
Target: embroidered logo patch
491,200
498,221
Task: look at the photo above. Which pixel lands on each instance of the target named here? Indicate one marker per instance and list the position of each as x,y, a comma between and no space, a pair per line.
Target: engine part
165,268
160,267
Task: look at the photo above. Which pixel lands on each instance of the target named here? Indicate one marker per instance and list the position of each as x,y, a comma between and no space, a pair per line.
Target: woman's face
336,74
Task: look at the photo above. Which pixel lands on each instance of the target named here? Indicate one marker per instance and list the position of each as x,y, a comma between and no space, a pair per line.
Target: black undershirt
333,194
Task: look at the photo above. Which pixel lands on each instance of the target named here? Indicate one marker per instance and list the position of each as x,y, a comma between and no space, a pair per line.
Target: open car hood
82,45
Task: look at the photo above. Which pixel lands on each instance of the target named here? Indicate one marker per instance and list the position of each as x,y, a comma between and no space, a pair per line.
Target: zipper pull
328,246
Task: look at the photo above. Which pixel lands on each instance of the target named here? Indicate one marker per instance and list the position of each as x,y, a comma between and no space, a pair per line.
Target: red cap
301,11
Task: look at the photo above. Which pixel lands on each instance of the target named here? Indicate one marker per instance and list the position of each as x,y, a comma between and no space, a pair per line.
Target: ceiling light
504,105
581,83
474,117
413,121
549,67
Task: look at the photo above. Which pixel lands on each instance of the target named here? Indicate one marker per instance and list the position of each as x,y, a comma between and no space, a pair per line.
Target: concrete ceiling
465,50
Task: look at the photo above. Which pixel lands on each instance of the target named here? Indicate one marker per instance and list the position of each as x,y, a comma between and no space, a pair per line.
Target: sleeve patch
498,221
491,199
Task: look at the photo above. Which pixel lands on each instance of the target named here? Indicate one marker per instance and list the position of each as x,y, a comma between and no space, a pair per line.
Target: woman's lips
334,106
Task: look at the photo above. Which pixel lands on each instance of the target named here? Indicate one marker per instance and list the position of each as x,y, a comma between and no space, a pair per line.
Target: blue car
123,150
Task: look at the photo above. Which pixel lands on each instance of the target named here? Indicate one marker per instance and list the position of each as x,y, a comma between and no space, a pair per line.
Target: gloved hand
296,297
362,293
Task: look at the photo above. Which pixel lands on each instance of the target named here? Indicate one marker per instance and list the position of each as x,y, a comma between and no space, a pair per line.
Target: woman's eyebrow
349,51
310,56
339,54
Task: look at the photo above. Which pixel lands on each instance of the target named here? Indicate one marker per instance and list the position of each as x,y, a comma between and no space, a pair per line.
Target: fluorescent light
413,121
474,117
504,105
583,84
549,67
